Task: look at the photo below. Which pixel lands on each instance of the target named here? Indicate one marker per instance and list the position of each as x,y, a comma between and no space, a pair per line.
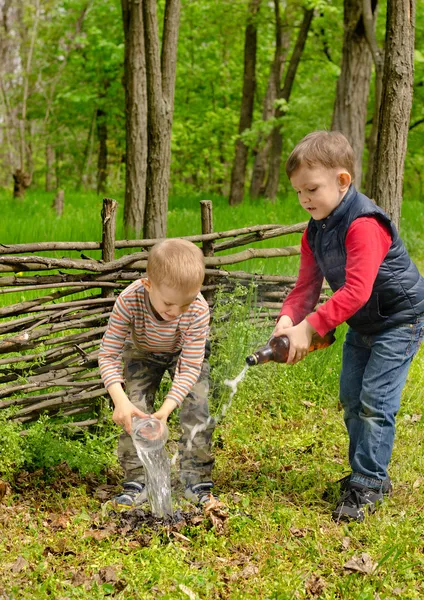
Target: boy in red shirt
378,291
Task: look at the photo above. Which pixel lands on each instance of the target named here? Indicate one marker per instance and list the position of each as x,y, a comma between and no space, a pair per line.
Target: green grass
278,450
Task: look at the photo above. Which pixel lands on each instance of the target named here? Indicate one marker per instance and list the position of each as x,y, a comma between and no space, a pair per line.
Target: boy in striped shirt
159,324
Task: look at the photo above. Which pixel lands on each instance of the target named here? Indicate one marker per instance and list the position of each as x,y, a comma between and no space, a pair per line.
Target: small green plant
46,446
12,454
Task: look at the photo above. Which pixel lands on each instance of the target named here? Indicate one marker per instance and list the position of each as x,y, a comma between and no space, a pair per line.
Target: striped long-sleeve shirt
132,319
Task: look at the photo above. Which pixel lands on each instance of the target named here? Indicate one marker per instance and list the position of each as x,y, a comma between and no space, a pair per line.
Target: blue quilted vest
398,292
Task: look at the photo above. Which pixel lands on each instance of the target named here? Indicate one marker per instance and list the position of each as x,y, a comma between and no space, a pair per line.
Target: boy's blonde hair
327,148
176,263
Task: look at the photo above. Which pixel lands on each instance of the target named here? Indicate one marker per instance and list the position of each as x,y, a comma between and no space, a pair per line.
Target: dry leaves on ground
217,513
4,489
361,564
314,585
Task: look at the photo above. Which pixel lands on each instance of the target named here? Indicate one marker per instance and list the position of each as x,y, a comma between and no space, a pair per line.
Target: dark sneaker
386,487
355,501
133,494
199,493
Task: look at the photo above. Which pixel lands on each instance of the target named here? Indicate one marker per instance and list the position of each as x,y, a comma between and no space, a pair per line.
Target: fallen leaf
108,575
216,511
417,483
181,537
361,564
196,519
19,565
105,491
100,534
80,578
298,533
314,585
58,522
61,549
345,543
4,489
249,570
307,403
187,591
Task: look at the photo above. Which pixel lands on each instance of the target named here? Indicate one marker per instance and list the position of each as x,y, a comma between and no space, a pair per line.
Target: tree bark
395,110
277,136
86,157
370,14
160,76
21,181
238,173
50,157
102,155
350,107
59,202
261,153
136,117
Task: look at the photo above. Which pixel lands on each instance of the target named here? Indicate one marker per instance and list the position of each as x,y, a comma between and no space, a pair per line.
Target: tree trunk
58,166
395,107
277,136
59,202
238,173
370,15
160,76
350,107
136,117
102,156
86,157
21,181
50,157
261,153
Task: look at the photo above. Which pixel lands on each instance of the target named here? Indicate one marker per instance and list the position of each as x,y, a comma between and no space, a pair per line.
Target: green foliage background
73,75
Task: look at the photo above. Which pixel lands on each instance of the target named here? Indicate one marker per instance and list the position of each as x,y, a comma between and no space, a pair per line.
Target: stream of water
158,480
158,466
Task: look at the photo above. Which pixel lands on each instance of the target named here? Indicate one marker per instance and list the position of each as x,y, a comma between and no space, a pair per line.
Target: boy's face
320,190
169,302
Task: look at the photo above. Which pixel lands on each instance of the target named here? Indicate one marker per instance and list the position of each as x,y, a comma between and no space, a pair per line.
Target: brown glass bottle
277,348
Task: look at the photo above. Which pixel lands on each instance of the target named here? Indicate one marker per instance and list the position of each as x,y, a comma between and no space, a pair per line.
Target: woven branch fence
50,343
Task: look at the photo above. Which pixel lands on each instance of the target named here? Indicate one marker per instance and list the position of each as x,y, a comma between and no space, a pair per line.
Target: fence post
207,246
108,236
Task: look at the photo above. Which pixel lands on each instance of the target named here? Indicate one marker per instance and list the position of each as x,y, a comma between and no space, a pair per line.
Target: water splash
158,479
232,383
157,465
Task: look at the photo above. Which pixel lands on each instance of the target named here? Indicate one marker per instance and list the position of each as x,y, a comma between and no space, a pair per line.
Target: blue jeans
374,371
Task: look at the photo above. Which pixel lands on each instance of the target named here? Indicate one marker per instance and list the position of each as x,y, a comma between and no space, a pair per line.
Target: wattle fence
50,341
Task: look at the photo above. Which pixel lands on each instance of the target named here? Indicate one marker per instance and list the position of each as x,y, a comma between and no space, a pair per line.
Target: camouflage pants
143,372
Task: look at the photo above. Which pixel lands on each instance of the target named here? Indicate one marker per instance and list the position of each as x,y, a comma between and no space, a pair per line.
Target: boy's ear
345,179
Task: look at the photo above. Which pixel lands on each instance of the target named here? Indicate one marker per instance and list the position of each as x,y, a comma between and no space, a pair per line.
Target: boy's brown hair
327,148
176,263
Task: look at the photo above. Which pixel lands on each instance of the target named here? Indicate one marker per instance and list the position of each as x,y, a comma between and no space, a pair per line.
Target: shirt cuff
318,323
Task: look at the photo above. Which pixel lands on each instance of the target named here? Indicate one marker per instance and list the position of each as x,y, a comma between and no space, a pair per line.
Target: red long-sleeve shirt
367,243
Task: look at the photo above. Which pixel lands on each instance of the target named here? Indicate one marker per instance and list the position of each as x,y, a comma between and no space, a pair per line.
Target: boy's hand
124,408
165,410
124,412
300,337
284,322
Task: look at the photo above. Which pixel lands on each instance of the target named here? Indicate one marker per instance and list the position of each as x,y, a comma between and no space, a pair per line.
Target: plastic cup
149,433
